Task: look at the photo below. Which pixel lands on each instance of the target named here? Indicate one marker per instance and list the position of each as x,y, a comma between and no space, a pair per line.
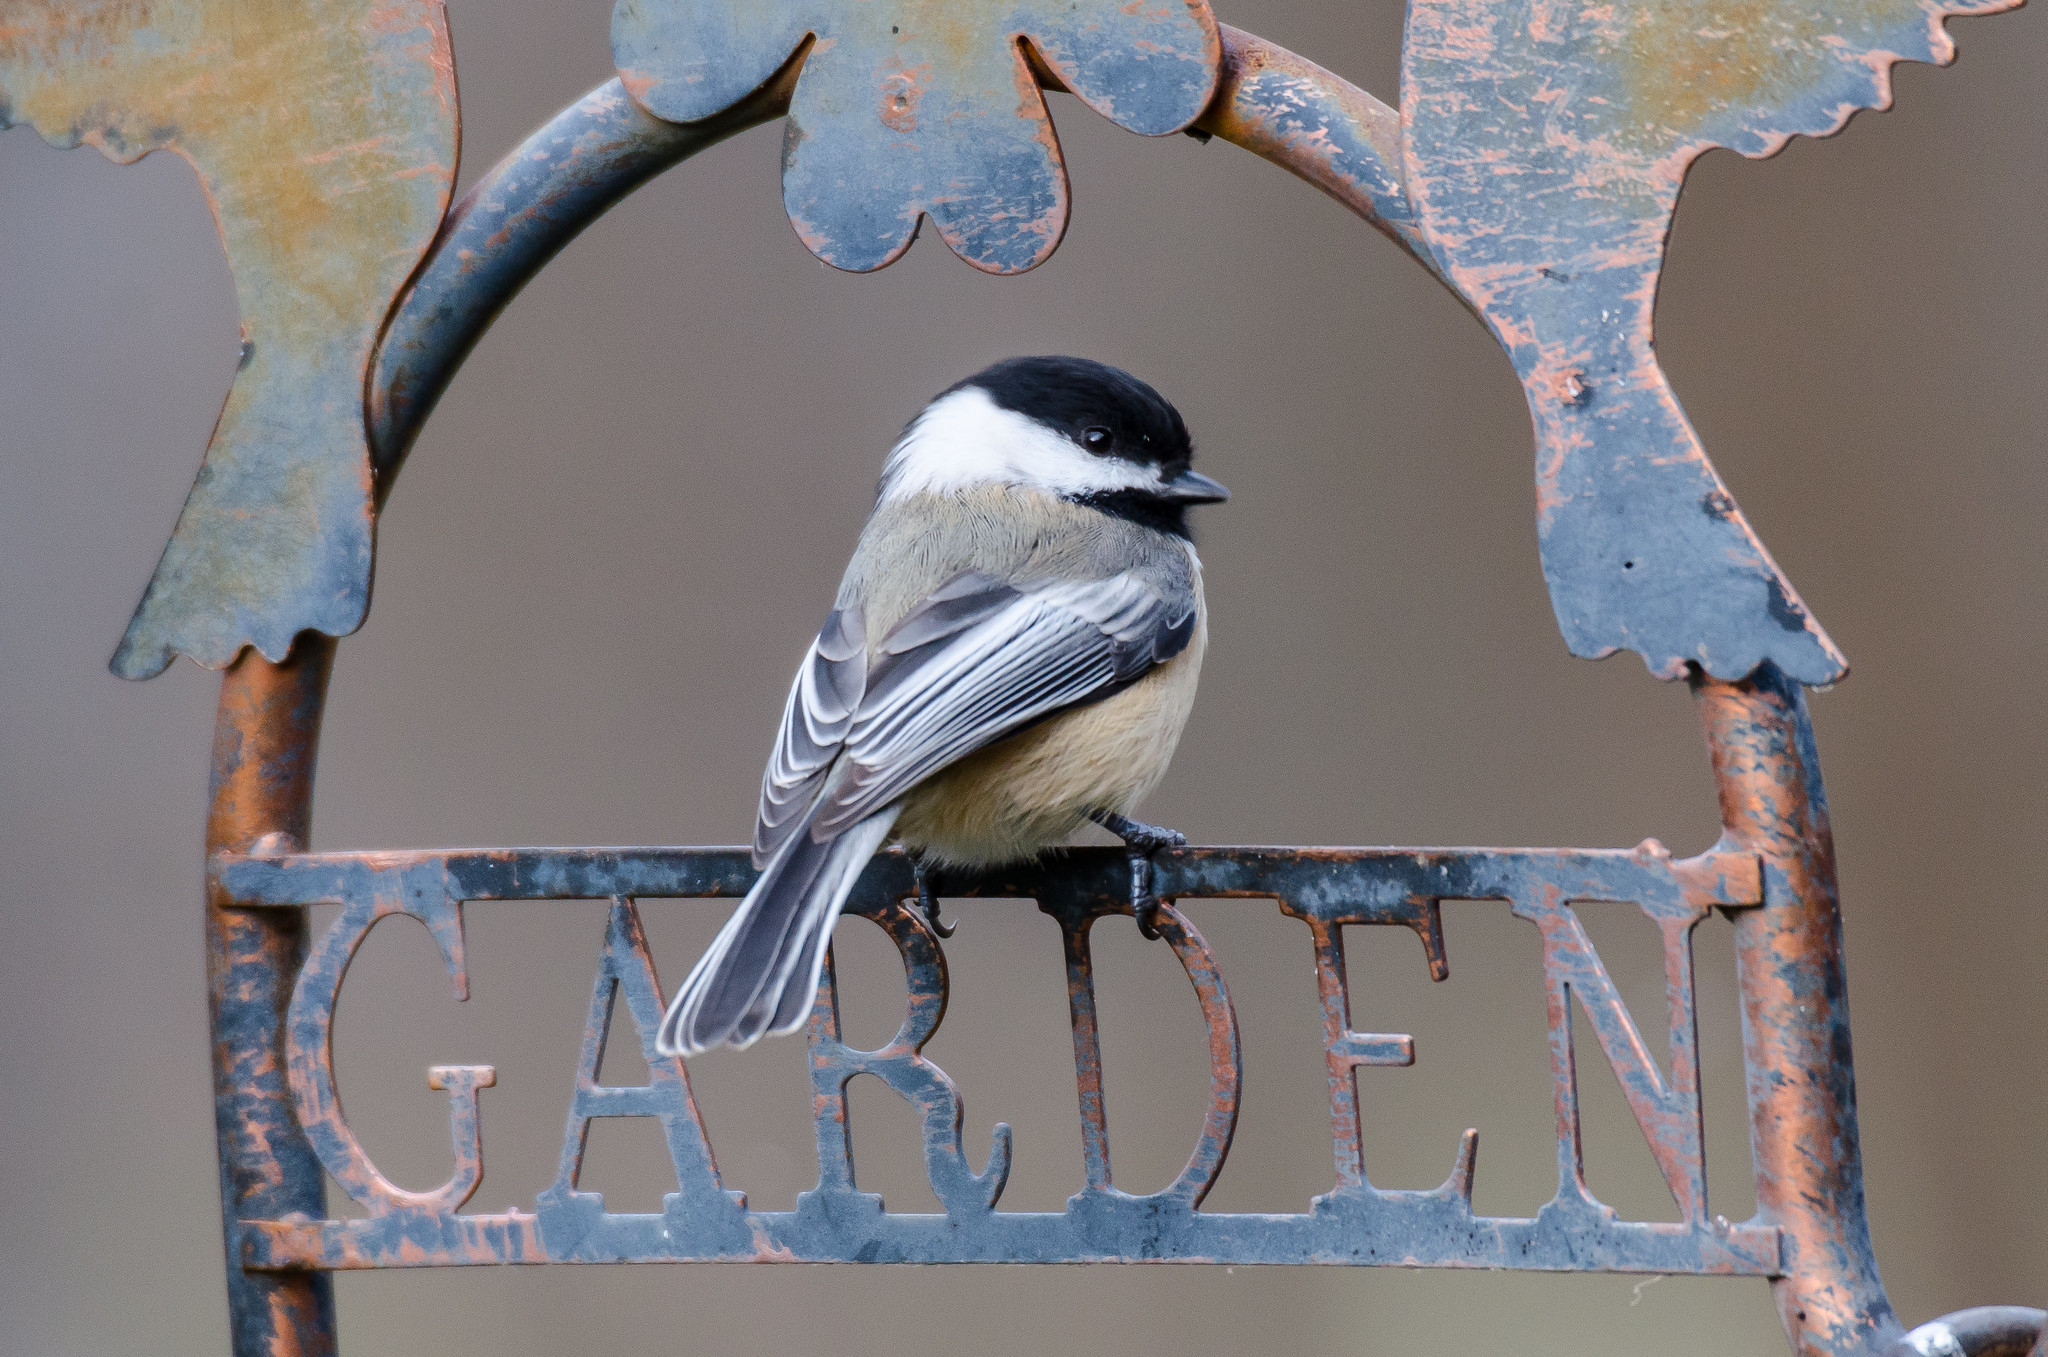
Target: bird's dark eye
1097,439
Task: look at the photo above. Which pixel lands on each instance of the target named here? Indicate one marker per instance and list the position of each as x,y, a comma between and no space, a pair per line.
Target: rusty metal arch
1277,105
1740,610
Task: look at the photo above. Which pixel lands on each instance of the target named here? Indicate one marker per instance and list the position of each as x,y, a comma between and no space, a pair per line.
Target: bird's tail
761,970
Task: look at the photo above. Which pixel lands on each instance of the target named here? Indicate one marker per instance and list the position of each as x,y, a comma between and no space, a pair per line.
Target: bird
1013,652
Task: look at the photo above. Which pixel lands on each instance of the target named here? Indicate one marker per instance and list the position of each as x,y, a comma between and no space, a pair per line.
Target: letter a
575,1221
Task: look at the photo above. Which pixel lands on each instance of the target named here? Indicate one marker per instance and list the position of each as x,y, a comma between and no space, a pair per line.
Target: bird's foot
1141,841
928,901
1137,835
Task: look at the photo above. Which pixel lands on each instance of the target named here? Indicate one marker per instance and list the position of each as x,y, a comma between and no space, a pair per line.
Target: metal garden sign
1532,167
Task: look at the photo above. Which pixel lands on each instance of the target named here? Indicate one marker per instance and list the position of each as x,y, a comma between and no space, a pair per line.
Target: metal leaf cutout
325,134
924,107
1546,144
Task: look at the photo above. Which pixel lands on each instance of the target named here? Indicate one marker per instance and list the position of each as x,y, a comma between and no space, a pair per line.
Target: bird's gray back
913,545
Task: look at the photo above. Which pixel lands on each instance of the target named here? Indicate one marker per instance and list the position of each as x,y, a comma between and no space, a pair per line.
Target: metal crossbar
704,1221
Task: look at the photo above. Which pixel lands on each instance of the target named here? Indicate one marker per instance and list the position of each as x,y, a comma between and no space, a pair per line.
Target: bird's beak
1192,487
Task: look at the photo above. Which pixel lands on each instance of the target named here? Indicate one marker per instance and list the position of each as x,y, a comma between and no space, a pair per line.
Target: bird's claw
1141,841
929,903
1144,904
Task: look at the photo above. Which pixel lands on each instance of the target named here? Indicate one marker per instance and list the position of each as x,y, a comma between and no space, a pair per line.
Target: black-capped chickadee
1013,652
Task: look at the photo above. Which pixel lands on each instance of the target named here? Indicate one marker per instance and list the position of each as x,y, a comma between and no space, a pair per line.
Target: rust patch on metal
901,91
1802,1083
266,738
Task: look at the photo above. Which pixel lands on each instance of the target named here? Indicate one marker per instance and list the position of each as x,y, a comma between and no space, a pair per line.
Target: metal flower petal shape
924,107
1546,144
325,135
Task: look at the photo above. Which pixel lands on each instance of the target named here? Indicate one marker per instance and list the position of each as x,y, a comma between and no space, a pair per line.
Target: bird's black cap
1075,395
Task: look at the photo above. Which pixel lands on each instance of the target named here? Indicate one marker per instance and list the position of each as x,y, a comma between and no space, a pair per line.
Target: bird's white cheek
966,440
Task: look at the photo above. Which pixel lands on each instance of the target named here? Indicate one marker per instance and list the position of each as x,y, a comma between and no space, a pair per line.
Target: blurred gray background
582,635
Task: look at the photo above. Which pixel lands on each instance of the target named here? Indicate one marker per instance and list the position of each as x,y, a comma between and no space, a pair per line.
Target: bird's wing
815,722
977,660
980,659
